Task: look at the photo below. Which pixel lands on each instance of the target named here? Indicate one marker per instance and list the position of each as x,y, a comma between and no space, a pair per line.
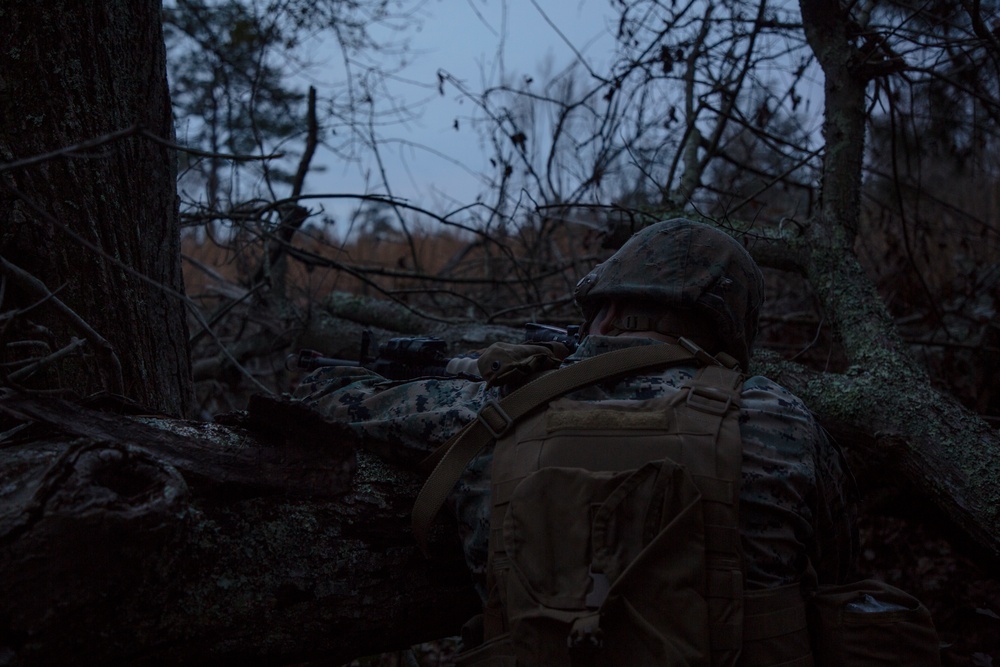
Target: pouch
871,623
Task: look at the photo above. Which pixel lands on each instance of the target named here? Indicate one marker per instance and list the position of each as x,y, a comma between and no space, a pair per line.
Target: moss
372,471
854,307
938,431
951,455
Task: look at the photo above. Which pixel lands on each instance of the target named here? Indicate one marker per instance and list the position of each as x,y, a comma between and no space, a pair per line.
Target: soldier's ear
604,320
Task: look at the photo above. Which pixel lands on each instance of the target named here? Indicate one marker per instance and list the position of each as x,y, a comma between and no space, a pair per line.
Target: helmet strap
674,323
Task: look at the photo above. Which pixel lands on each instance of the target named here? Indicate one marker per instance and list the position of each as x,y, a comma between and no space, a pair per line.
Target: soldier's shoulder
763,391
772,412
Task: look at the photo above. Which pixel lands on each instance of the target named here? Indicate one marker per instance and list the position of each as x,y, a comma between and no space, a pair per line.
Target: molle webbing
713,396
496,418
776,628
698,429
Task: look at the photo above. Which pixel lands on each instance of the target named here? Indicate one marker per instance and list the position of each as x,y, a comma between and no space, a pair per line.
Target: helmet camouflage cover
684,264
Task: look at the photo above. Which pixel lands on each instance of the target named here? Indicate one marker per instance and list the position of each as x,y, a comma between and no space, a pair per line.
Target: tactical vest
614,536
614,530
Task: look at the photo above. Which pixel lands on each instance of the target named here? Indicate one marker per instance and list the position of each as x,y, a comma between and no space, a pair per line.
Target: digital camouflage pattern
684,264
795,500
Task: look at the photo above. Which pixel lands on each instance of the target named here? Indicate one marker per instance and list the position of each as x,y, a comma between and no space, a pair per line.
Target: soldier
675,283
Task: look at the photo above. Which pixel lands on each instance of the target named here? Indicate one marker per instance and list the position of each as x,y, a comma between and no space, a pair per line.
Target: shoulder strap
712,406
496,418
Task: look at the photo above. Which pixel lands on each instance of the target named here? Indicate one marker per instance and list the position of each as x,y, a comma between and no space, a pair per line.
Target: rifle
537,333
409,358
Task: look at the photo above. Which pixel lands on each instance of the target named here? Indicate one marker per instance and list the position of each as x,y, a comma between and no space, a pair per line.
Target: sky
478,42
431,154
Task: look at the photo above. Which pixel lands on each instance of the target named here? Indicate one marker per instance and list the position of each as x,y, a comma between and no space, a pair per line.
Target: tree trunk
928,442
146,541
86,224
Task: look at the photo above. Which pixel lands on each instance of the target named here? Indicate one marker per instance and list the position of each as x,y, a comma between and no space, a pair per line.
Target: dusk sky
478,42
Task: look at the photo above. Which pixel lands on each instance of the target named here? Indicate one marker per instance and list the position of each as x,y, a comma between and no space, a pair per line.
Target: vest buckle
493,417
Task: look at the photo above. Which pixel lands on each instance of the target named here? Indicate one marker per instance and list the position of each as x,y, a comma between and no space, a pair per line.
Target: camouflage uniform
793,502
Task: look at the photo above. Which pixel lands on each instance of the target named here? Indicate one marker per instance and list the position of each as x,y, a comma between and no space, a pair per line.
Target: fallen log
146,541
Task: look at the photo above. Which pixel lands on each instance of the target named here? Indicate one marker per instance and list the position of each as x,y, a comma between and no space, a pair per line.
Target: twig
294,216
69,150
195,311
52,358
36,286
311,258
221,312
436,291
206,269
312,140
11,314
506,311
400,203
569,43
819,330
134,130
296,252
8,434
196,151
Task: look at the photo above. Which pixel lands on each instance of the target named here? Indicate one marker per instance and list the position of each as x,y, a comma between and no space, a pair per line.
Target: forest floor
963,594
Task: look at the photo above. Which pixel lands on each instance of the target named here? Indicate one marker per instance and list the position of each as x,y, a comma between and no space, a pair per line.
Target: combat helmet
684,264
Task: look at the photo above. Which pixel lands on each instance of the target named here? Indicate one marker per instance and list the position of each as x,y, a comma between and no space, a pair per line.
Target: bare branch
39,290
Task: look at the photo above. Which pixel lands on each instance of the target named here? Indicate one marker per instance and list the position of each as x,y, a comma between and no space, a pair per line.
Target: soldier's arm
798,496
402,421
836,513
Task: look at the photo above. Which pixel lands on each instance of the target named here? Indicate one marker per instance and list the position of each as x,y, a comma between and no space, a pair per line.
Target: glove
508,365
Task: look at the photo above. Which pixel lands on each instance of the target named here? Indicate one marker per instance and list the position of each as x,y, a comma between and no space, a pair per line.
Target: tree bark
147,541
904,436
86,223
